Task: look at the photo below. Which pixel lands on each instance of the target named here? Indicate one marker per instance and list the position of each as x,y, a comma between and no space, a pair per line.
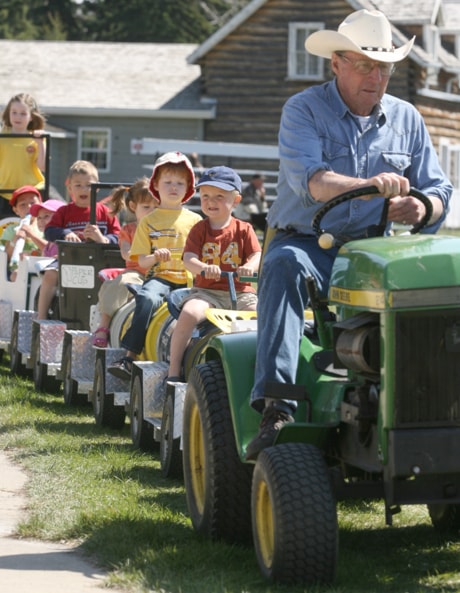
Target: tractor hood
397,272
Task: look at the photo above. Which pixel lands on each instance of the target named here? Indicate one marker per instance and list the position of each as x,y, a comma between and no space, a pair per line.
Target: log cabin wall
247,74
247,71
441,122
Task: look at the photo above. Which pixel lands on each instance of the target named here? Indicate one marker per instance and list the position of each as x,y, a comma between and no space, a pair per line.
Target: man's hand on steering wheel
402,207
406,210
390,185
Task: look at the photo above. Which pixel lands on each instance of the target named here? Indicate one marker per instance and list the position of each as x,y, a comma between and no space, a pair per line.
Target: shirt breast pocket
396,162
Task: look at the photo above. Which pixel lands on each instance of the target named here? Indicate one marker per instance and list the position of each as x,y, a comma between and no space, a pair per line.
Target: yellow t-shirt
164,228
18,164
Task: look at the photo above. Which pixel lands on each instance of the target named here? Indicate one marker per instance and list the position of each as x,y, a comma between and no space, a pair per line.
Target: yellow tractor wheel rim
265,529
197,458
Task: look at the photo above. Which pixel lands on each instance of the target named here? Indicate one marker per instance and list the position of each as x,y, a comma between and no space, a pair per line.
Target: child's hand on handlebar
212,272
245,271
162,254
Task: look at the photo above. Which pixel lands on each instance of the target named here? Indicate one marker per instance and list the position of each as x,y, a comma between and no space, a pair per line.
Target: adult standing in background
252,198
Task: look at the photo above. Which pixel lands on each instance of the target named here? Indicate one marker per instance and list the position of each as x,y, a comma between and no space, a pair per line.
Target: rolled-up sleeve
300,147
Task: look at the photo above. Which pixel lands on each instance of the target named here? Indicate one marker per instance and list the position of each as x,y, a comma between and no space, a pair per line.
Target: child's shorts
220,299
114,293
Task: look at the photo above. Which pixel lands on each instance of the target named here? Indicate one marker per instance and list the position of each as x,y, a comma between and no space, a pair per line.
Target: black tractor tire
170,453
69,385
105,412
445,517
217,482
42,381
141,431
294,515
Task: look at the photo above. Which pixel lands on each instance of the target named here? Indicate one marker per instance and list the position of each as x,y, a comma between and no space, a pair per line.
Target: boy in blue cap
219,243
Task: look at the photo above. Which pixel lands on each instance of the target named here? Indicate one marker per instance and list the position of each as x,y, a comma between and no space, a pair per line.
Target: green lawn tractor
378,384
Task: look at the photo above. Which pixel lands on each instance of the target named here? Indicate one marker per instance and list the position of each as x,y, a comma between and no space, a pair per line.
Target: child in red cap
26,233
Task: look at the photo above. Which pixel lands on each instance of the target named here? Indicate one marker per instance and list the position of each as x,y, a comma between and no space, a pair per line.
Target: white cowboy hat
366,32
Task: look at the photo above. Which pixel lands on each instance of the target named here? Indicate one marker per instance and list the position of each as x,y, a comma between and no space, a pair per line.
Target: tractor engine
398,336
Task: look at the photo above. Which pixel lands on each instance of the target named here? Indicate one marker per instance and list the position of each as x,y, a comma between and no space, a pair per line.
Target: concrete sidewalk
31,566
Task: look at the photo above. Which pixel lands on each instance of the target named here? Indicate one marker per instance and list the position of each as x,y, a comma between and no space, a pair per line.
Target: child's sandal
101,341
122,368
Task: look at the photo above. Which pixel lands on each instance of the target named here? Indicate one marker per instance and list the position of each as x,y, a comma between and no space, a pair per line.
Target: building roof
399,12
403,12
66,77
451,15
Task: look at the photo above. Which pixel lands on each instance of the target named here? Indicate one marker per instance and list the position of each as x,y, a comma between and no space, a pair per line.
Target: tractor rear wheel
217,482
294,516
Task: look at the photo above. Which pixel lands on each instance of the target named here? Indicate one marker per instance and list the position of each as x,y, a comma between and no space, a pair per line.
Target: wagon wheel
119,325
170,453
16,365
42,381
217,483
141,431
105,412
70,385
365,191
294,515
445,517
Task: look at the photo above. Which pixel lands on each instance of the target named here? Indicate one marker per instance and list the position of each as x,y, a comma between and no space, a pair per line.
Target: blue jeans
148,299
289,260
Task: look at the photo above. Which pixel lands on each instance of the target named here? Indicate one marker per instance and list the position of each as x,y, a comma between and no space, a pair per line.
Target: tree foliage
141,21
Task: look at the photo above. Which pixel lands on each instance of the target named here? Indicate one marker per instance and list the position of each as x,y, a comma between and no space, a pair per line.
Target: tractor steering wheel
326,240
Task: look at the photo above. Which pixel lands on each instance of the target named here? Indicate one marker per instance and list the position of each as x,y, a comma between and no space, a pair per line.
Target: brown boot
274,418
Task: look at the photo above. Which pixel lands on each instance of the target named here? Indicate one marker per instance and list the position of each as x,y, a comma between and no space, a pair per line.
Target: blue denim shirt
318,132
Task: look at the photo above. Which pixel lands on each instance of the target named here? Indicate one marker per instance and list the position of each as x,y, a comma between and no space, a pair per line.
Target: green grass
88,485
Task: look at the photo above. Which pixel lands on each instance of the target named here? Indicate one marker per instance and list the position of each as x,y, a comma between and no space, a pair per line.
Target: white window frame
314,65
83,152
449,158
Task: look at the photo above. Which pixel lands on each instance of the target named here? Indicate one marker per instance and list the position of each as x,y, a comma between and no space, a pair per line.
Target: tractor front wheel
294,518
